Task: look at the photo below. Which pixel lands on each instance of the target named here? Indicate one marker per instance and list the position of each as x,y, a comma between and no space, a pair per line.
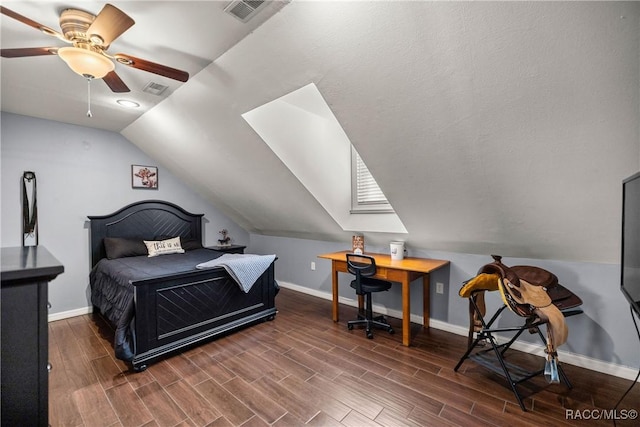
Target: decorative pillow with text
164,247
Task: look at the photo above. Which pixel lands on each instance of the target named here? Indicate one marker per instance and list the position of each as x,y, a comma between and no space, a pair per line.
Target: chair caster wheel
350,327
369,335
392,331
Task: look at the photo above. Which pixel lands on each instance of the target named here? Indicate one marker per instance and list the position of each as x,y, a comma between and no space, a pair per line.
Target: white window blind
366,194
368,190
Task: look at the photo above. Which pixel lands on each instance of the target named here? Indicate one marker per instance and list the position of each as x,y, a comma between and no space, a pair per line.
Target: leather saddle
529,291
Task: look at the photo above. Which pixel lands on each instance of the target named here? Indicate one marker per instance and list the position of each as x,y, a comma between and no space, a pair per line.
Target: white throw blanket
243,268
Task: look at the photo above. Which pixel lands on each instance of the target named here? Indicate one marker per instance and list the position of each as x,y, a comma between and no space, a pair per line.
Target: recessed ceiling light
127,103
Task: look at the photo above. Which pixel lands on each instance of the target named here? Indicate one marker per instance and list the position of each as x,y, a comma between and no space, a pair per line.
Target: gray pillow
118,247
190,244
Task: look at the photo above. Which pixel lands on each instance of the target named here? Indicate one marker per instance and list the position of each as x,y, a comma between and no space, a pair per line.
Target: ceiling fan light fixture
86,62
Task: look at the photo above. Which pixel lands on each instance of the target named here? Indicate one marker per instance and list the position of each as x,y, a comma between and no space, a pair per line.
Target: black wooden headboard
147,220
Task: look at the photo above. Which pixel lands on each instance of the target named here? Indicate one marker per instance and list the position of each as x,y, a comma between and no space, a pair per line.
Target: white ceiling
186,35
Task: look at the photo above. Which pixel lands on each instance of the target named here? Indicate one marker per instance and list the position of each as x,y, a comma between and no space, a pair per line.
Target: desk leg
425,300
406,312
334,287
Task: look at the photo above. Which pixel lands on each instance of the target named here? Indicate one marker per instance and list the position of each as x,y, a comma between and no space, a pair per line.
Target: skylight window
303,132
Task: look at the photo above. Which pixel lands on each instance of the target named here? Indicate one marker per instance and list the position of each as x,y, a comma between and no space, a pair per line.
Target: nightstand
230,249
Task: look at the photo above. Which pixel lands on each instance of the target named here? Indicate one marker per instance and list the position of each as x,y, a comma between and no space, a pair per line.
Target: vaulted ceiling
491,126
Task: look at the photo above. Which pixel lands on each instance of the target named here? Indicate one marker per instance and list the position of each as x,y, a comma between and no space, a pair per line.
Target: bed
159,305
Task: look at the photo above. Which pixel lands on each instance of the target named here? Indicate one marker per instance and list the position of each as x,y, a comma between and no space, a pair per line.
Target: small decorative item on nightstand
226,239
224,244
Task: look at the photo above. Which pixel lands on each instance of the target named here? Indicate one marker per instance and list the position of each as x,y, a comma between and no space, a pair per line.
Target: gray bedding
112,292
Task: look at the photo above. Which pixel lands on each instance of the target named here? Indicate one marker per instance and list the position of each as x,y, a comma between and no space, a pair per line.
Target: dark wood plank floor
304,369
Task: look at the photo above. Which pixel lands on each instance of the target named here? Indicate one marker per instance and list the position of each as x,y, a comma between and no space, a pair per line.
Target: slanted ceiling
491,127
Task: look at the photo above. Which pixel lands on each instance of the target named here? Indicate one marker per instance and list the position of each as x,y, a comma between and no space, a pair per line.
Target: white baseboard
565,356
71,313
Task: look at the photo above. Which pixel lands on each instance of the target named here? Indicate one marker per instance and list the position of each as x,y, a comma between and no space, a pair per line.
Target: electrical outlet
313,265
439,288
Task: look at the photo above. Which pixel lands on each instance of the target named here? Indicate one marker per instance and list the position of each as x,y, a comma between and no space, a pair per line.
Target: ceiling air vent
154,88
244,9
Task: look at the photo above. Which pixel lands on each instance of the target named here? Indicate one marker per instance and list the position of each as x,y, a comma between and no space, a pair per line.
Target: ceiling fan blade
28,51
10,13
109,24
115,83
152,67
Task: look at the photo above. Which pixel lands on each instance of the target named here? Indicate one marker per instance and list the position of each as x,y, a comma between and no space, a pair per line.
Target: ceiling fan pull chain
89,97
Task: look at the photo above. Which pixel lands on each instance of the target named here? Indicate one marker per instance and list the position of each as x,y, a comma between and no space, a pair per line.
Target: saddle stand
493,356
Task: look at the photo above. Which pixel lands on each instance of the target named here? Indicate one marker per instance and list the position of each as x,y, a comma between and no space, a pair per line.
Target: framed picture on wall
145,177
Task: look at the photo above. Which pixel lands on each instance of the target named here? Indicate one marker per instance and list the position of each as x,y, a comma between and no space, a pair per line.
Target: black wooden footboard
178,311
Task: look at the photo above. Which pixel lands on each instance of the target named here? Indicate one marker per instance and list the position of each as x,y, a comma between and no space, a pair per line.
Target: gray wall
604,332
81,171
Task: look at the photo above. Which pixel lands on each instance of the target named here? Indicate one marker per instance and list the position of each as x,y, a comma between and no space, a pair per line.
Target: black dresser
25,274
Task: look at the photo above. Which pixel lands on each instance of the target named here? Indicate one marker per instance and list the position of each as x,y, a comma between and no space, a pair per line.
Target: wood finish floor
304,369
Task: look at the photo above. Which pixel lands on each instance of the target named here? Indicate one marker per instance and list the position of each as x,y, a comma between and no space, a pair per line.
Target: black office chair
363,267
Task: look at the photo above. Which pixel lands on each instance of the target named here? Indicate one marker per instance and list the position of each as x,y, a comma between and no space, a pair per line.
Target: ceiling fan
90,36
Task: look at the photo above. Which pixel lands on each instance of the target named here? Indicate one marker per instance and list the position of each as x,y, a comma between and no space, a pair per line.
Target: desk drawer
382,273
392,274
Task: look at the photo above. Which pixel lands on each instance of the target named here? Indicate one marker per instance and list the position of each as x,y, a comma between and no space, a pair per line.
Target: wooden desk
403,271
